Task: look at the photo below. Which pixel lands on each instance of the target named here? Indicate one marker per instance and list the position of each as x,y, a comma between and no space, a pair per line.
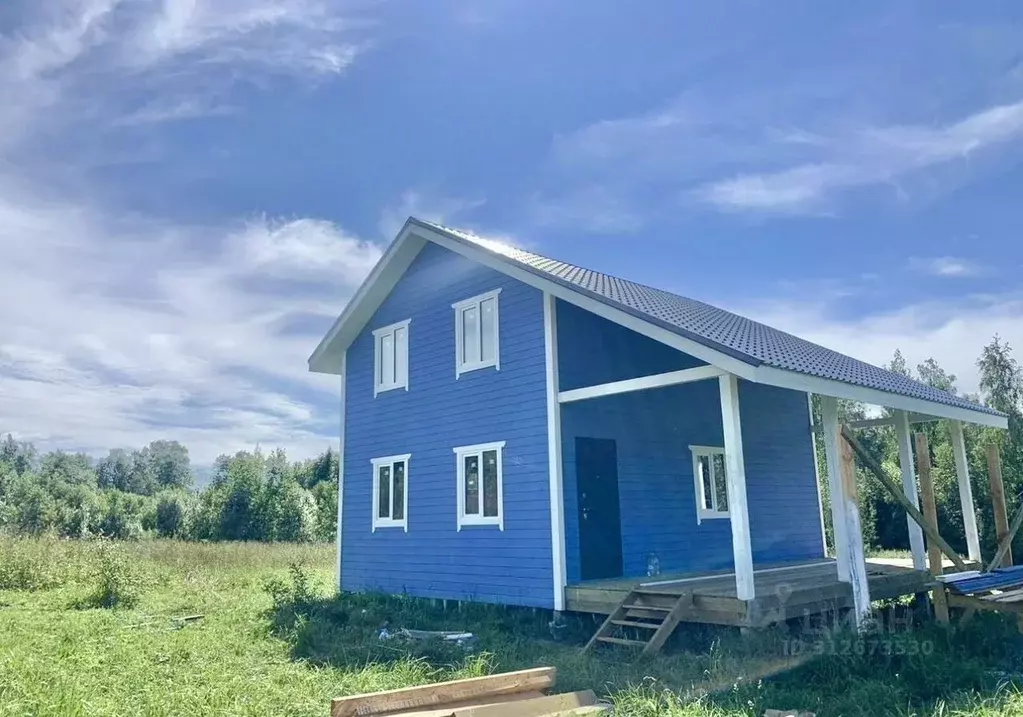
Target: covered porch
700,469
703,475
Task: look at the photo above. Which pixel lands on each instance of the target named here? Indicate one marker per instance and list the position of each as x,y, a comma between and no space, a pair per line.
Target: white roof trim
413,236
838,389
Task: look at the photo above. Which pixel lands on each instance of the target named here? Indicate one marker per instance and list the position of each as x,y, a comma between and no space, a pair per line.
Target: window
711,485
390,357
476,329
480,486
390,492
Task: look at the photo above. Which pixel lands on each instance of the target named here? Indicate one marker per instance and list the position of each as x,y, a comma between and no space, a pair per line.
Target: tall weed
119,582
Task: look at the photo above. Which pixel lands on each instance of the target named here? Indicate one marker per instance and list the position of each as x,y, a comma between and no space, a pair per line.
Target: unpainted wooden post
923,467
994,475
857,564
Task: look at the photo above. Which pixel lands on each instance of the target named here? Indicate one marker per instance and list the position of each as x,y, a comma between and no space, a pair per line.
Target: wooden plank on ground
532,708
442,693
448,710
994,476
896,493
923,467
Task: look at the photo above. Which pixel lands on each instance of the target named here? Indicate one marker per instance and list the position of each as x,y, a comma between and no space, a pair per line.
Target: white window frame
390,522
460,307
380,386
702,513
461,453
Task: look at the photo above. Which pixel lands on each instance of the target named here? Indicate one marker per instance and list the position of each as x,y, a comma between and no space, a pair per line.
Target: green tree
67,468
114,471
21,457
935,376
172,509
29,507
171,465
1001,382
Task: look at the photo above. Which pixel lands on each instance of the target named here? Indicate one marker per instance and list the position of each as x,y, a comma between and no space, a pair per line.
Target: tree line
131,493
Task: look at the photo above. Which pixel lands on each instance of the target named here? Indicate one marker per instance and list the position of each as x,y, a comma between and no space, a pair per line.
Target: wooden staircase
653,616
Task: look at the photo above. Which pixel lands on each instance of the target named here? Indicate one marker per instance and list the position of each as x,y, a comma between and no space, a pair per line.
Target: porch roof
748,348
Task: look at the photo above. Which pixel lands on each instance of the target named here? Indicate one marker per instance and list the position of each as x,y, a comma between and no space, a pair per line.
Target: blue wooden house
523,431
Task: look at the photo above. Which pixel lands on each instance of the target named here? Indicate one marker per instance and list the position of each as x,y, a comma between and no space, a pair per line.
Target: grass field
88,629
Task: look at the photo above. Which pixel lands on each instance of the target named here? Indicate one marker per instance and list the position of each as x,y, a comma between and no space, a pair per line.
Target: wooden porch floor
783,592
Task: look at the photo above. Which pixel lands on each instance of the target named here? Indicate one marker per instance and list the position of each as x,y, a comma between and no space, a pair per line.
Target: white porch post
857,564
905,439
735,473
341,466
832,454
557,496
965,490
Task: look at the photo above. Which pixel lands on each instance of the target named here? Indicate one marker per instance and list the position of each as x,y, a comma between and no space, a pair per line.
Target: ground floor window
710,481
480,484
390,492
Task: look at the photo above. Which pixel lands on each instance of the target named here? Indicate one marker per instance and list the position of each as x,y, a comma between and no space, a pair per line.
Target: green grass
274,641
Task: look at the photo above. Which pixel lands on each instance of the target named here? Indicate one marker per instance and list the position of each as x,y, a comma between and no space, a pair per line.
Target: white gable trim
367,299
413,236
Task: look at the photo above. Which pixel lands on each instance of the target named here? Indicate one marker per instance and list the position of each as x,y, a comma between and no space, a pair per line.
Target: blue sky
190,191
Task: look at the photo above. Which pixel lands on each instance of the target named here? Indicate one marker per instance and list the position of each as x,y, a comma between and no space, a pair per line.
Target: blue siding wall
593,350
654,429
437,413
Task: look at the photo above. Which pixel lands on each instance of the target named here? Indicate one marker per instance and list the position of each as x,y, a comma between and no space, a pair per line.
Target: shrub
118,580
171,514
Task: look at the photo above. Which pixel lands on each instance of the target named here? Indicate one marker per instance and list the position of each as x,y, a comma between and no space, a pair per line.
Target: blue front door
600,525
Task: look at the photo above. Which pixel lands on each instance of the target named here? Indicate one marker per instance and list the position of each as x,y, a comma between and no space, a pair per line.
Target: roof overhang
328,356
838,389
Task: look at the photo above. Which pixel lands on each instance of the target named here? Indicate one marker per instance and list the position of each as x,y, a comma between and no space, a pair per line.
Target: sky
191,190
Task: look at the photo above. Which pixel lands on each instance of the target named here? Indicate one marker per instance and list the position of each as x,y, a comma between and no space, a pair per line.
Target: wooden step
653,608
622,641
633,623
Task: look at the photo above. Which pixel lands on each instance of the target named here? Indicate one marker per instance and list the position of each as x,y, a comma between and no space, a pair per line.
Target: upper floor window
711,485
480,485
390,357
476,333
390,492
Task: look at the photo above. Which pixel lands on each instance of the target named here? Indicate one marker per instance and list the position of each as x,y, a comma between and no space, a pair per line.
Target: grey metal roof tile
722,330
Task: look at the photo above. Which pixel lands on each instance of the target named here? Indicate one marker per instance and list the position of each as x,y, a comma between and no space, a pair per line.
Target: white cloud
423,204
125,334
863,158
121,328
945,266
111,63
759,154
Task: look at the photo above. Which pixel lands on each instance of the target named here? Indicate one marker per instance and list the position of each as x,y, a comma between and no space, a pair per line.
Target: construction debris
462,639
511,694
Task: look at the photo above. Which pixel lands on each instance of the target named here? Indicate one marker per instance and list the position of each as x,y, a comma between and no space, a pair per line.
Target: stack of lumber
1000,590
511,694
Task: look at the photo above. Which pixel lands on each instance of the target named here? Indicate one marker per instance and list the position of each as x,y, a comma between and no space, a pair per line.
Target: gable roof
742,346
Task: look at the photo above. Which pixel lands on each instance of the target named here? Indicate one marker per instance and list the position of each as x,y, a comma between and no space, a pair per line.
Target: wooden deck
783,592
